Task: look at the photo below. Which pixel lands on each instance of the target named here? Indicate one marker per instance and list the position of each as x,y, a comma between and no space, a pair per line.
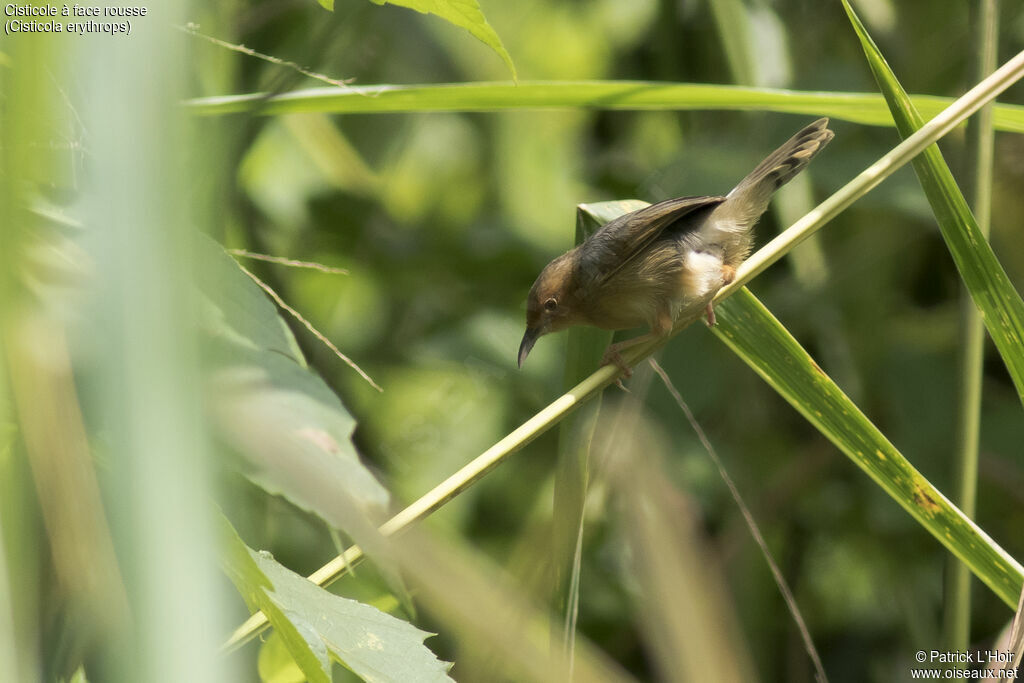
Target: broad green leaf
295,436
290,429
866,108
317,625
462,13
753,333
1001,307
236,311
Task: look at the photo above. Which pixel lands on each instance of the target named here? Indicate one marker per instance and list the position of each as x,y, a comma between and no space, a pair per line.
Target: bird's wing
623,239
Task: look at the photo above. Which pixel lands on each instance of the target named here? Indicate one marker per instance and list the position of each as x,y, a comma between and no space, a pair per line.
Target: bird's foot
613,357
710,310
728,275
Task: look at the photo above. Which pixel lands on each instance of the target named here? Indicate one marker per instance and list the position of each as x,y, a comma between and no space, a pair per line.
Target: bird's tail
750,198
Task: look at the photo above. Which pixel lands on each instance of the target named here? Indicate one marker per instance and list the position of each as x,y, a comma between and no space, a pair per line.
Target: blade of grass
1001,307
957,602
866,108
750,330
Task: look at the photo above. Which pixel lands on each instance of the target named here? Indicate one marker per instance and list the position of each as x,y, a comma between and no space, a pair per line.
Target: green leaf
1001,307
866,108
236,311
316,625
291,430
464,14
750,330
275,664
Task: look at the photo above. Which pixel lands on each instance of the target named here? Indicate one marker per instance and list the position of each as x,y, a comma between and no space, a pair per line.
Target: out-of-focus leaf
866,108
289,427
316,625
236,310
462,13
1001,307
296,437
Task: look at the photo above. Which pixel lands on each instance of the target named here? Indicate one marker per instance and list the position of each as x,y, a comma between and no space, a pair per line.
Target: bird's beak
529,339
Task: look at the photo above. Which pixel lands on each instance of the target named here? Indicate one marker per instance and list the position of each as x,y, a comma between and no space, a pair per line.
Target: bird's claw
710,310
613,357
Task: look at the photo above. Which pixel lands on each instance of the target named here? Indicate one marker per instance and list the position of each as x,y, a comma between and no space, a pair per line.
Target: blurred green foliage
445,219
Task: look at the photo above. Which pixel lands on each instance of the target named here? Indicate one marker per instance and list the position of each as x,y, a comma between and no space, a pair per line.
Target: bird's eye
550,305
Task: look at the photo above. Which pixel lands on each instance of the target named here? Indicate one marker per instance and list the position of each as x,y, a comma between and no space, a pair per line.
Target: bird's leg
613,355
728,275
661,326
710,311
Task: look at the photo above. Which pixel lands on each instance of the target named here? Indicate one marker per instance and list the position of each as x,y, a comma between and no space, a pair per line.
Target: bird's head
553,303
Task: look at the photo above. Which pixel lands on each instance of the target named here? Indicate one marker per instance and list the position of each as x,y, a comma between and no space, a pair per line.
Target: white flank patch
705,273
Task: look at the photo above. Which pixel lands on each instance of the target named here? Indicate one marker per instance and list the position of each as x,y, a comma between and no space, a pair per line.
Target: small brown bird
648,266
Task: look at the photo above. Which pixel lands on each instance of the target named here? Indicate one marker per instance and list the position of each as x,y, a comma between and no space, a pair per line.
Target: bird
647,267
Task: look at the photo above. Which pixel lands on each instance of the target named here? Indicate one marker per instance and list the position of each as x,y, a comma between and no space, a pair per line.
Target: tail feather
750,198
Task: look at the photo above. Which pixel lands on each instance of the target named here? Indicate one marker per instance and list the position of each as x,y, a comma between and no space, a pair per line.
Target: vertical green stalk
584,350
26,160
734,30
147,385
957,617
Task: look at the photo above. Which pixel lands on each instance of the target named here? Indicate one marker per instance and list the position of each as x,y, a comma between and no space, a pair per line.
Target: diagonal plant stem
312,265
900,155
309,326
193,29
